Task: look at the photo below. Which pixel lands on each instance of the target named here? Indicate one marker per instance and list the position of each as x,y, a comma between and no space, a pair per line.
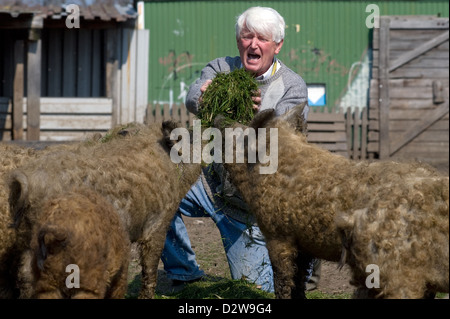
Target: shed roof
119,10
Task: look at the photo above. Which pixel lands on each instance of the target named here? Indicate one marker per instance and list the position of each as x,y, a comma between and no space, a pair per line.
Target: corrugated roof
119,10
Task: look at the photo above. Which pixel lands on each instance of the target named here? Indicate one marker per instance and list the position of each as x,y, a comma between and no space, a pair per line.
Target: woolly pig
134,173
11,156
396,205
79,231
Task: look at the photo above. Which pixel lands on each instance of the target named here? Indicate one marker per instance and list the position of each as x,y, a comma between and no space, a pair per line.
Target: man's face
257,51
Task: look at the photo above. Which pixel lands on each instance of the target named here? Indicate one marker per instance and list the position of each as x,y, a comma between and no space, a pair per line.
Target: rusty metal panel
119,10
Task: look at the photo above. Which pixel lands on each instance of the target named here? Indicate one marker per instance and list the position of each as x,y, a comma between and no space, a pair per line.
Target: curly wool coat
11,156
79,229
389,214
133,172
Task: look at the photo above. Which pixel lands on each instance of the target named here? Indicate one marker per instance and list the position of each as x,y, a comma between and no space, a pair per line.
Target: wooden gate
409,93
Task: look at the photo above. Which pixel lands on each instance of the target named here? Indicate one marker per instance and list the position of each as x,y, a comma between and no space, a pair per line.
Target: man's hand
257,100
203,89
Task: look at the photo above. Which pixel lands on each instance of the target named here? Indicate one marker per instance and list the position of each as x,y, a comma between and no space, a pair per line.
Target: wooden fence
340,131
61,119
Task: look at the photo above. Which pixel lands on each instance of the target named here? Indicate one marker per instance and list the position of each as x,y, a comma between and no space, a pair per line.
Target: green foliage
220,289
229,94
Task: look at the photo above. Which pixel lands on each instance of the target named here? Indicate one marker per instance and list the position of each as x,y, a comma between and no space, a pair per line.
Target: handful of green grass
229,94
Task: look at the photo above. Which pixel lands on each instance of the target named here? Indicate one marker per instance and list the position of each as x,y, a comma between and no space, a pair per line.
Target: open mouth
253,57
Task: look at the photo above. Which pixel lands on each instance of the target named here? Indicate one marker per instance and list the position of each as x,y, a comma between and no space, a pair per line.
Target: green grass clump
229,94
223,288
220,289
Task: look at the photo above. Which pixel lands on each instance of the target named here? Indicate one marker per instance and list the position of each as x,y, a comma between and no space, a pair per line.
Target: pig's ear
262,118
18,196
166,128
296,118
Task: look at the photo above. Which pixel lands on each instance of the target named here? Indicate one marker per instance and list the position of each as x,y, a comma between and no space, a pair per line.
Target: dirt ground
205,238
207,244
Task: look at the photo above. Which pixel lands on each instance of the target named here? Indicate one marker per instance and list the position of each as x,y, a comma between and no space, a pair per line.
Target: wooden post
34,86
383,83
142,53
18,90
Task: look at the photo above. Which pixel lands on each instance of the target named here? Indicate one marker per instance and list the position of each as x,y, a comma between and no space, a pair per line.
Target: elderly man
259,36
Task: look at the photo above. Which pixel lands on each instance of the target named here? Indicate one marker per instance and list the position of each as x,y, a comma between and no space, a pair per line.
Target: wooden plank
434,73
327,137
411,105
166,112
384,88
355,143
70,122
425,136
425,62
158,114
428,152
411,92
33,89
75,122
75,105
331,127
142,56
403,125
18,92
418,22
184,116
414,83
132,67
176,113
439,52
410,134
364,126
418,51
373,146
332,146
326,117
432,136
125,76
405,115
5,127
411,35
149,116
348,130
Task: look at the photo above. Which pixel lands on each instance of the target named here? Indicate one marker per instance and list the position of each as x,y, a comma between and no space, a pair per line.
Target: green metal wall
323,39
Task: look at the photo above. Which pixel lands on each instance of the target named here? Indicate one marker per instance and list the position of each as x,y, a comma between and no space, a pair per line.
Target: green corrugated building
327,42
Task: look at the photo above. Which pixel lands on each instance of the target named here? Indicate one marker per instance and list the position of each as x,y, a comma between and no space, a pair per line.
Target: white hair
262,20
